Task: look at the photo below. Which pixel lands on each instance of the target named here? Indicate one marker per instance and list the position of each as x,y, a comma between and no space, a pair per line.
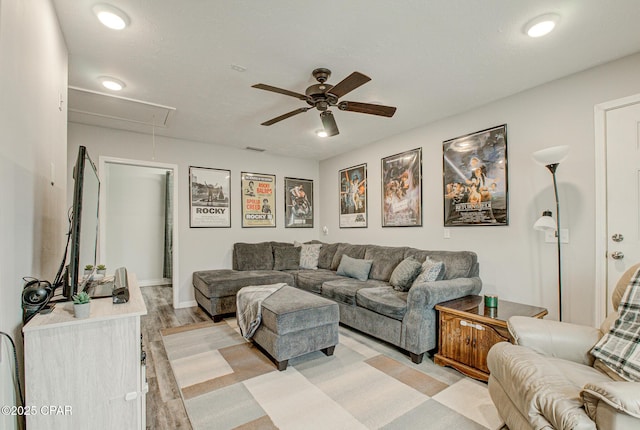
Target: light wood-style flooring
165,409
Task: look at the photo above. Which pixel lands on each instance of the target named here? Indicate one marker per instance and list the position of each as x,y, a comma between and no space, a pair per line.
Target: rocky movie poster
475,179
299,203
258,200
209,197
353,197
402,189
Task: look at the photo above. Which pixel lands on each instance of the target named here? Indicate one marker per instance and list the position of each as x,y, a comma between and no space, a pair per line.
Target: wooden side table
468,330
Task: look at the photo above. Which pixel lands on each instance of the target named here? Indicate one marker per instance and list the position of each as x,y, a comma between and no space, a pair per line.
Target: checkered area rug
227,383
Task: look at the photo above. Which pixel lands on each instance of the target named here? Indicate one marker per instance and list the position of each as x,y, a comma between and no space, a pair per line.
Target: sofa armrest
429,294
554,338
419,322
620,395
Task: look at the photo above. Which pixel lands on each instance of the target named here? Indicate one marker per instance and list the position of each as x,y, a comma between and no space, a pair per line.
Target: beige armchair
549,380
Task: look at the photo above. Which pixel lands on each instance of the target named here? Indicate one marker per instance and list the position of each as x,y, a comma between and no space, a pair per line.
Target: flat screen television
84,224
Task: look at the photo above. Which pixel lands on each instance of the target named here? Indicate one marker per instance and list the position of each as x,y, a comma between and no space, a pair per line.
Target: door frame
103,160
601,234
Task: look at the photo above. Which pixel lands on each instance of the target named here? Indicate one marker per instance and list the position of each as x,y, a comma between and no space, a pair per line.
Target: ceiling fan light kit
322,96
329,123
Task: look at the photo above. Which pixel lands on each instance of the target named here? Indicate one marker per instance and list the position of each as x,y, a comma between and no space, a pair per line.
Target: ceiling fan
322,96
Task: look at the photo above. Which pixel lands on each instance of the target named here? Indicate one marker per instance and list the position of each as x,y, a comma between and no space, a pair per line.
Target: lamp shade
553,155
545,222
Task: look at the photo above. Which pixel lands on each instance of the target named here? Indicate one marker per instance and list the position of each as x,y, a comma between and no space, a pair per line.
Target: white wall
202,248
33,215
135,198
515,262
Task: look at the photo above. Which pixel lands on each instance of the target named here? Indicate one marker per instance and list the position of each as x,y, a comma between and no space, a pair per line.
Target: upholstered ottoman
295,322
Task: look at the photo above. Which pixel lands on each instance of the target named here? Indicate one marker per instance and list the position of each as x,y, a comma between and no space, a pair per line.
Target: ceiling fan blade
329,123
349,84
369,108
285,116
280,91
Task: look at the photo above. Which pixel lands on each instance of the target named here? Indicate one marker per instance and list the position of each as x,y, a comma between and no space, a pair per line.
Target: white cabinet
86,373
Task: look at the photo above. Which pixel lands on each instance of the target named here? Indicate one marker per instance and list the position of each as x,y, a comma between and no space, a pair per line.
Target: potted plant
88,269
101,269
82,305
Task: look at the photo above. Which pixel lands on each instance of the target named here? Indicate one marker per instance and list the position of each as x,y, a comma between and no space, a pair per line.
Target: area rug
227,383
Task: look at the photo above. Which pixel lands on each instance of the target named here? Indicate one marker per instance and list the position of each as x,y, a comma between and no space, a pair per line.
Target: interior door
623,192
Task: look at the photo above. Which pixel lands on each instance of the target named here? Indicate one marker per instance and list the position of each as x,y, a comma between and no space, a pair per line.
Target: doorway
139,219
617,197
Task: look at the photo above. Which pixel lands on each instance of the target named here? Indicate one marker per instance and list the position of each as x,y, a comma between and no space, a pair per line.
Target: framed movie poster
475,179
209,204
402,189
298,209
258,200
353,196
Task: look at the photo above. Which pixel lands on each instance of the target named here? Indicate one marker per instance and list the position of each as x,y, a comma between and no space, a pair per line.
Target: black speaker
35,296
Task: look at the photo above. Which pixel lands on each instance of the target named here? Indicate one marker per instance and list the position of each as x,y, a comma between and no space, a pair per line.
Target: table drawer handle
472,325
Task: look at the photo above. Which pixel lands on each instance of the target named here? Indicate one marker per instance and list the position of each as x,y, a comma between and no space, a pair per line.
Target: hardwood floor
165,409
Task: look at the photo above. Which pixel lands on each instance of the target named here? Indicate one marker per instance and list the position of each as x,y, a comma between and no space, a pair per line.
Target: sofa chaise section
216,290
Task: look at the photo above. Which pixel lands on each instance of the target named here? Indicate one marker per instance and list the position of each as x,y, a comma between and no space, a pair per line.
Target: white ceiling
430,58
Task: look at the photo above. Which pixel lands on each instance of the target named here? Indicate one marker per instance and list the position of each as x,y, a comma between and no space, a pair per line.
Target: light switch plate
447,233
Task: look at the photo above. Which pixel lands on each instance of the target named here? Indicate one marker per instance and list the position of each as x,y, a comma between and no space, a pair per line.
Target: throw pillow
286,258
309,255
620,348
253,256
431,271
326,255
404,274
354,268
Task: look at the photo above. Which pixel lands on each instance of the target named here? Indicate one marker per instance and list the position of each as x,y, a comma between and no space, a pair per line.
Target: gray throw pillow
327,251
253,256
354,268
404,274
286,258
431,271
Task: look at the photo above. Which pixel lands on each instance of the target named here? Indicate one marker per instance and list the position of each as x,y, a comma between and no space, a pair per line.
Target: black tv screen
84,223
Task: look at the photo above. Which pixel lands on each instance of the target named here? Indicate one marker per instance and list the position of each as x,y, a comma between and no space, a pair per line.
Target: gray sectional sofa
373,306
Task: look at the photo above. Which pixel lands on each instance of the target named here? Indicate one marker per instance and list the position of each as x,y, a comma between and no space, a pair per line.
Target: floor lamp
551,158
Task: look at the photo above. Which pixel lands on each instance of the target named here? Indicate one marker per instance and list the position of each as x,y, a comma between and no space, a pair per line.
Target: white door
623,192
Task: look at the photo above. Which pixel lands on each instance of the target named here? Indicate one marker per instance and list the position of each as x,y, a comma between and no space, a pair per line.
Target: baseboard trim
154,282
188,304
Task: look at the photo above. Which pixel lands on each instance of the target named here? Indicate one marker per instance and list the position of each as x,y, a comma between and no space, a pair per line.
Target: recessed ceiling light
321,133
541,25
111,16
112,84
